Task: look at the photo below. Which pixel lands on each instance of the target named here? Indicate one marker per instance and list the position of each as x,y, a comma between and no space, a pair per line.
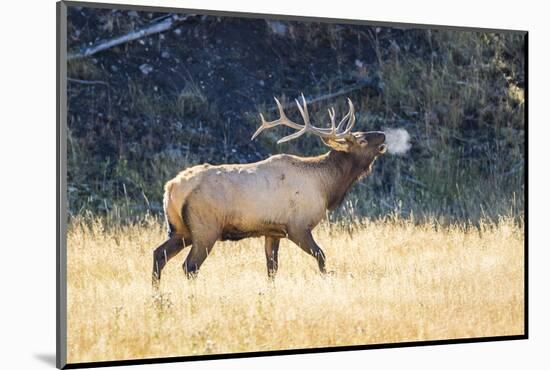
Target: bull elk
283,196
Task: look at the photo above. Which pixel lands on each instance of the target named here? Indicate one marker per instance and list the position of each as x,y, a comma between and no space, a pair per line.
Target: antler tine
292,136
332,115
348,119
303,110
344,120
324,132
306,118
282,114
283,120
341,123
351,122
262,127
304,128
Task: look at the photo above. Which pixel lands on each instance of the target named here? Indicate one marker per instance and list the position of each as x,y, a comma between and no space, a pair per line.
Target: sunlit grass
393,281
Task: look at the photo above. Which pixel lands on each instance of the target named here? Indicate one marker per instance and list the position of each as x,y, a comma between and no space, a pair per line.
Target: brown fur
281,196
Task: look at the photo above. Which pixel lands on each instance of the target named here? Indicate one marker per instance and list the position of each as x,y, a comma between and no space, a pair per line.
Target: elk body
283,196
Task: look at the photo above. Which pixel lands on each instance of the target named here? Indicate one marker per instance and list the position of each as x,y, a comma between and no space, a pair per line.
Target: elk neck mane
338,171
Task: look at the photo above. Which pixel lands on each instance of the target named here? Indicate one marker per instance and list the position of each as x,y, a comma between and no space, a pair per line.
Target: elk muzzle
377,139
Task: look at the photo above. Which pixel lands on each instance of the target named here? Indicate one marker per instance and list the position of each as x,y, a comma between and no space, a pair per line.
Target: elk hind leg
164,253
272,255
199,251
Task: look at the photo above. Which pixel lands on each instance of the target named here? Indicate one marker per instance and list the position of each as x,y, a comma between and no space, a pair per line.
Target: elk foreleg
272,255
305,241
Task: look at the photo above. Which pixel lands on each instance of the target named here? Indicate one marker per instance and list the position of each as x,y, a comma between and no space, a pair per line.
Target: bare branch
157,27
361,84
88,82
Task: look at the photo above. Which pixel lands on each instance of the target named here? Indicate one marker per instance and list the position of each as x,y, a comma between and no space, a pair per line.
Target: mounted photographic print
235,184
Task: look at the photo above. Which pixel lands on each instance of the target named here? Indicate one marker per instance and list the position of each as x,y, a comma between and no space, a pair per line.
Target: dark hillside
141,111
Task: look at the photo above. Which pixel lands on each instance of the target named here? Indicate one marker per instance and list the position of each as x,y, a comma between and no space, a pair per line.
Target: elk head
363,147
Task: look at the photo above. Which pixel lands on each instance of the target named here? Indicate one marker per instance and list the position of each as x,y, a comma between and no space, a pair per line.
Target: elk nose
376,137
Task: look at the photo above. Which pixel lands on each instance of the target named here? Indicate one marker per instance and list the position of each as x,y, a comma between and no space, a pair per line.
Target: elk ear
362,141
341,145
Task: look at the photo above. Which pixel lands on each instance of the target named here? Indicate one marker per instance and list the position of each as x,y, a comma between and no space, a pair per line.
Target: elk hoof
155,282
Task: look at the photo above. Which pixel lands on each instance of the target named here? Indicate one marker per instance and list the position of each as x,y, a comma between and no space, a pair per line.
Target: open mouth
382,148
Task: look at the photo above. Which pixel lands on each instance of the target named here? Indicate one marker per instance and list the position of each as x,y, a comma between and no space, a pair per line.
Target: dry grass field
393,281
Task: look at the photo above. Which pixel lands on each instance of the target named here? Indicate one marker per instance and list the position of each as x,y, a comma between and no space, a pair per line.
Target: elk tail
174,221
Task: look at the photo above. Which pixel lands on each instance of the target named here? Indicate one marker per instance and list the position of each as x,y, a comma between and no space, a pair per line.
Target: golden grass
393,282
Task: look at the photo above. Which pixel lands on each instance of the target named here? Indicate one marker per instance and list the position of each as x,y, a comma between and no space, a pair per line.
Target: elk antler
334,132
